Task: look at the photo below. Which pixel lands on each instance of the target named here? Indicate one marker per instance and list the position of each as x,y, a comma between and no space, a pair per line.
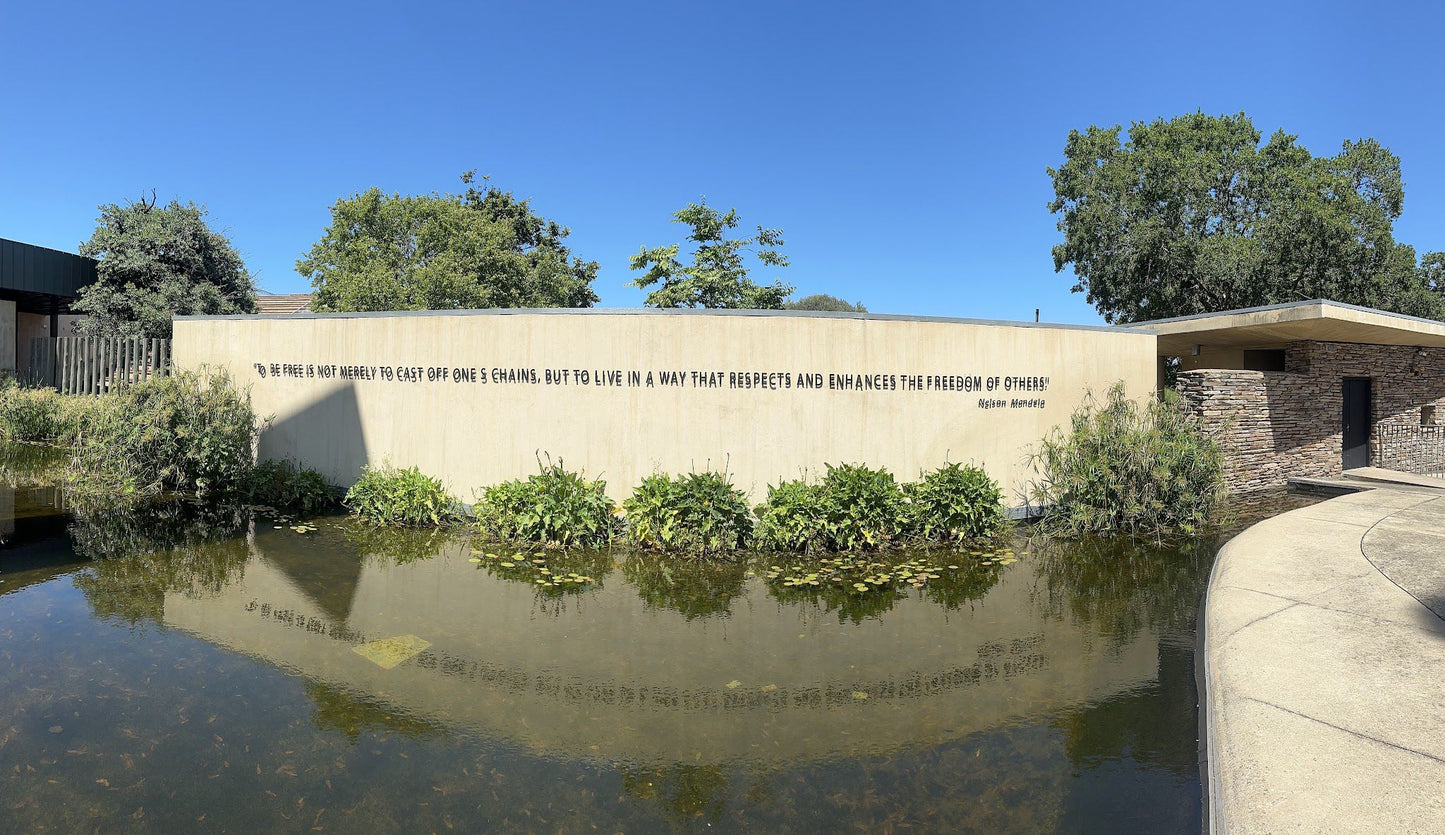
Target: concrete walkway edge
1324,669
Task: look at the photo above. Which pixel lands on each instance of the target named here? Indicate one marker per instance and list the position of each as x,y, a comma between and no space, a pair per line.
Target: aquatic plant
193,431
550,573
955,504
282,484
859,587
388,495
554,507
793,518
853,508
398,545
1128,467
698,513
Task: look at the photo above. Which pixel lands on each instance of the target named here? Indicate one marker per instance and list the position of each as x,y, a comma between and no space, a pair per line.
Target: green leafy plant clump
697,513
853,508
553,507
1126,467
858,508
192,432
957,503
286,485
393,496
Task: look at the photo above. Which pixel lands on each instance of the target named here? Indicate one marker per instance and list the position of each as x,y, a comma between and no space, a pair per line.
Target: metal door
1356,423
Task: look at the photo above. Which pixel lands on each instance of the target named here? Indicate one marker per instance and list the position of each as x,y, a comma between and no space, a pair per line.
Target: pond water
199,669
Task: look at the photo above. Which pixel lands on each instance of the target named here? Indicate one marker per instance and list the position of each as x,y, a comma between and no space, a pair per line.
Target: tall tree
482,248
155,263
718,274
1192,215
824,301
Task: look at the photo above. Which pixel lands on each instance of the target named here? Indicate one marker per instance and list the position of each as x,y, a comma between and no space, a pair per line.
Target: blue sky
901,146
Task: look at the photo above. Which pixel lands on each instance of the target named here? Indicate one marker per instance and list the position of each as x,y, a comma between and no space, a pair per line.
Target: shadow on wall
325,434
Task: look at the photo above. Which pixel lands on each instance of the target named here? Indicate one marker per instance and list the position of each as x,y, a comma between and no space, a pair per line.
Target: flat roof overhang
1276,325
29,272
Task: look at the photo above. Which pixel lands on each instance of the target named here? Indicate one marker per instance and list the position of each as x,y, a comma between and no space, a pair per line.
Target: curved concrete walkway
1325,669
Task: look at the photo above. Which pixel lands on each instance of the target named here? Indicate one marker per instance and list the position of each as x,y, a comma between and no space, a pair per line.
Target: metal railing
1412,449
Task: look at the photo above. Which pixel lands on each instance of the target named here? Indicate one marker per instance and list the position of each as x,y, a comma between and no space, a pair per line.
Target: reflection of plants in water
696,588
398,545
859,586
1143,723
551,573
685,792
351,715
142,555
32,465
1123,587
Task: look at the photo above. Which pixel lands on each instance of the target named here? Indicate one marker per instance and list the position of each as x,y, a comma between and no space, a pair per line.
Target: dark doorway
1356,426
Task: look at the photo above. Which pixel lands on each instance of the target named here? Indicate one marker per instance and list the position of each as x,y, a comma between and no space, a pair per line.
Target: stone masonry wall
1278,425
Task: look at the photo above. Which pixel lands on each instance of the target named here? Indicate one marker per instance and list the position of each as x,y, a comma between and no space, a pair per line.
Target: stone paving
1325,669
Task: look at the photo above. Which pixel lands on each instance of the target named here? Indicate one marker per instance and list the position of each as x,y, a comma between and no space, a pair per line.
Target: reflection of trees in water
686,793
141,555
694,588
338,709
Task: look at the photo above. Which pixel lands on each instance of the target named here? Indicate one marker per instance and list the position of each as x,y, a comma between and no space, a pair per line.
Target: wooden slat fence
92,365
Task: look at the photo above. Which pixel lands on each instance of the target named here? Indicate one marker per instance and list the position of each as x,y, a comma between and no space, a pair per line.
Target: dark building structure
37,286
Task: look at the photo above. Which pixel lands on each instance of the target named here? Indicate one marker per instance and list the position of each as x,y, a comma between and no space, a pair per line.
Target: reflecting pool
210,669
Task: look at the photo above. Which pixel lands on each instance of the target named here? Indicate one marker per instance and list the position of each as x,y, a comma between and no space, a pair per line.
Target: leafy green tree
1193,214
479,249
718,274
1432,272
155,263
823,301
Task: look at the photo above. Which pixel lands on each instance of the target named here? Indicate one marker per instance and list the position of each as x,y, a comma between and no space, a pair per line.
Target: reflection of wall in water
609,677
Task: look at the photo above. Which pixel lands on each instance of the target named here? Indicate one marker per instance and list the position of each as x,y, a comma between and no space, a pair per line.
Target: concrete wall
28,326
1210,356
1279,425
622,394
7,336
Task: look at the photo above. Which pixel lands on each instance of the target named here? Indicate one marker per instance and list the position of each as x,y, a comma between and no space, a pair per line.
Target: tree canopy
1192,215
155,263
482,248
718,274
824,301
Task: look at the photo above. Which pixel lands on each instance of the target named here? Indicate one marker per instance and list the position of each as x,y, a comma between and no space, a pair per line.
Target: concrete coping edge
1322,303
